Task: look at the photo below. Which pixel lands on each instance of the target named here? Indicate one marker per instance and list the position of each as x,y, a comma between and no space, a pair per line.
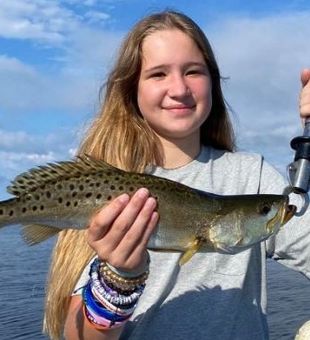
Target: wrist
136,272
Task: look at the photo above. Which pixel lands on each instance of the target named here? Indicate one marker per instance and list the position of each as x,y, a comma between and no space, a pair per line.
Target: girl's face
174,89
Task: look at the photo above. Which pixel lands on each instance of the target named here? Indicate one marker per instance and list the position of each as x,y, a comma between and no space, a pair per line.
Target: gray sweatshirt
217,296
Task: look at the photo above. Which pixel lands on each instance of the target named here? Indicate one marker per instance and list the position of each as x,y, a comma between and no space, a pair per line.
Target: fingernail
151,202
142,193
124,198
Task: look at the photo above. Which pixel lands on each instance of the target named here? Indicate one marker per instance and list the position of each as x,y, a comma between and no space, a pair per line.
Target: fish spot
48,194
131,189
88,195
106,181
81,187
59,186
112,187
121,188
71,187
98,197
34,208
60,200
109,198
24,210
1,212
68,204
11,213
42,207
75,203
74,193
116,178
98,184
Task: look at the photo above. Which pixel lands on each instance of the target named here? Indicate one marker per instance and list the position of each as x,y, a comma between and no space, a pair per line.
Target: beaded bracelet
114,297
106,306
99,323
108,293
105,303
98,310
125,284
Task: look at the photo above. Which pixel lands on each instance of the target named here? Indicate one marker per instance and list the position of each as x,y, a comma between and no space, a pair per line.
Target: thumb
305,76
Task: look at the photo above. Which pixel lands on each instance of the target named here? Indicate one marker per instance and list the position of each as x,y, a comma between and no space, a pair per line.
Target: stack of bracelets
111,298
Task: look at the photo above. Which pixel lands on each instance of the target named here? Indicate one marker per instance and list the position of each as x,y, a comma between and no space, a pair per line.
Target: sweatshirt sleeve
291,245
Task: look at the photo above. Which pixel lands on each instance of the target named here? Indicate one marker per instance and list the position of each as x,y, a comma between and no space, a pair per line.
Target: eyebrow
164,66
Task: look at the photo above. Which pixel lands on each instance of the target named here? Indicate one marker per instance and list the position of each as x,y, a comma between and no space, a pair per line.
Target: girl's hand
304,102
120,231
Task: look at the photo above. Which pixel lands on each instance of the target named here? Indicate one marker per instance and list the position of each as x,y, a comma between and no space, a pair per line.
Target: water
23,272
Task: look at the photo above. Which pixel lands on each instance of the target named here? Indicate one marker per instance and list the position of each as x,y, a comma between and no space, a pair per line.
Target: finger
126,219
305,77
140,249
304,101
135,235
101,222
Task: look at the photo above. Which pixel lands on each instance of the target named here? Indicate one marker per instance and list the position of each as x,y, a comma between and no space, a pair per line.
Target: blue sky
54,56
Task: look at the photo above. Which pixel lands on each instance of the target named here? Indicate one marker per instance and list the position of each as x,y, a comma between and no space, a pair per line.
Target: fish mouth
288,212
284,214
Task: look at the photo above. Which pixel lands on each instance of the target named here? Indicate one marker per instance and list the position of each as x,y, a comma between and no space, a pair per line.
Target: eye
264,209
194,72
157,75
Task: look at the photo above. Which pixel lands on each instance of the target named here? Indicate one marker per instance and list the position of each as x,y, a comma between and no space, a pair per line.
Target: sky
55,55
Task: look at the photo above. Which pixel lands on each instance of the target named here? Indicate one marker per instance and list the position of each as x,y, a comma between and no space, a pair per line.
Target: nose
178,87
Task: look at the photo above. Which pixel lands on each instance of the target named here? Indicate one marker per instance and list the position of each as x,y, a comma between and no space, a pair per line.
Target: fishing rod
299,170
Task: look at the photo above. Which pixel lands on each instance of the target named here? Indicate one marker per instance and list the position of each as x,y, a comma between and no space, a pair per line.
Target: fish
62,195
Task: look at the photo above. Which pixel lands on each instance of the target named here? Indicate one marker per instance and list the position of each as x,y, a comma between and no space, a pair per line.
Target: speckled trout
66,194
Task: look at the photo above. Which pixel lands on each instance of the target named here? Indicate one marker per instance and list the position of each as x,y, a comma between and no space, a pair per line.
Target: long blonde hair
120,136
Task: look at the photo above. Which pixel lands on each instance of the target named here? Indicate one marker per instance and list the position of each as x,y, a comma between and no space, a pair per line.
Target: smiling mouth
183,107
180,110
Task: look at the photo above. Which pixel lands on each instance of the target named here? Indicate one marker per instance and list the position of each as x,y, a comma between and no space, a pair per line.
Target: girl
164,108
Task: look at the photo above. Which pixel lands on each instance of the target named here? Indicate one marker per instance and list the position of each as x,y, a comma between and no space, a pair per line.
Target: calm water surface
23,272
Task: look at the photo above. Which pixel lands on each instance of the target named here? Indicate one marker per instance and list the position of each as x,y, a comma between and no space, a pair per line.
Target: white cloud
61,143
263,57
20,151
42,20
96,17
8,64
46,22
78,67
12,163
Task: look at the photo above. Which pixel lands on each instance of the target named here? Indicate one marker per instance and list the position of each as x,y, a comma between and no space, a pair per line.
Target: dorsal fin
36,177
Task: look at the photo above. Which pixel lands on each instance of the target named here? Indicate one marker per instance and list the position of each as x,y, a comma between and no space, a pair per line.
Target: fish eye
264,209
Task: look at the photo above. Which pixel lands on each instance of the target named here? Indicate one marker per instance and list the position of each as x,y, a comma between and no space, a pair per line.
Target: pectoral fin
35,233
193,247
